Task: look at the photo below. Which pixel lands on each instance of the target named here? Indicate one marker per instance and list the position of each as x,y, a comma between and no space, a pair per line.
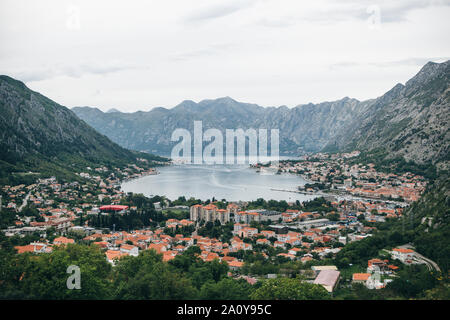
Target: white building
129,249
404,255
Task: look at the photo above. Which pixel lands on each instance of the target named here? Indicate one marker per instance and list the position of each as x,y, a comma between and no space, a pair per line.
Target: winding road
430,263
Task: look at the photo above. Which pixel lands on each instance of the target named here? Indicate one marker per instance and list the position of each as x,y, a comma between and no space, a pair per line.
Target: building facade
209,213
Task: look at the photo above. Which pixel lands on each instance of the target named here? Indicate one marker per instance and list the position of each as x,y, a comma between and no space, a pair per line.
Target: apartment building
210,213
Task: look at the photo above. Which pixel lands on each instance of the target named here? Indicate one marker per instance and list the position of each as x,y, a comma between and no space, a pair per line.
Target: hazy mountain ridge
301,128
410,120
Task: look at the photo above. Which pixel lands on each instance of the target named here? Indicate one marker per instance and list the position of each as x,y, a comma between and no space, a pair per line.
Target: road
25,201
430,263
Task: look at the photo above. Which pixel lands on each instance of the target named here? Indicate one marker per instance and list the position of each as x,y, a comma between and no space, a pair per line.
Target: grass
384,253
176,213
347,273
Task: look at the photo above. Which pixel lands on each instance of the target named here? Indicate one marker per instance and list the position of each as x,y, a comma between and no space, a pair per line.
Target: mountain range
37,134
409,121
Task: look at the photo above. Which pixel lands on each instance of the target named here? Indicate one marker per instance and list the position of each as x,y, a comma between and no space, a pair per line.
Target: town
256,239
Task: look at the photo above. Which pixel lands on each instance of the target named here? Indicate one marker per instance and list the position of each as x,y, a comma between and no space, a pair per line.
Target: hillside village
333,174
309,233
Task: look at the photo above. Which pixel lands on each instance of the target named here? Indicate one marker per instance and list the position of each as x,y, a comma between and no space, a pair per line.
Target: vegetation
289,289
397,165
426,226
46,139
318,204
27,276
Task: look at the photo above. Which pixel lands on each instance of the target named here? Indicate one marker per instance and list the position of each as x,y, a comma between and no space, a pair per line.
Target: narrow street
25,201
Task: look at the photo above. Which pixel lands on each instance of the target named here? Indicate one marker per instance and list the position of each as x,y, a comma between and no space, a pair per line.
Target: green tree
217,269
289,289
45,276
148,277
226,289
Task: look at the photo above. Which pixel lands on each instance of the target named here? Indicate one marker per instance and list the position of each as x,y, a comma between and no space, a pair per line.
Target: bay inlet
230,182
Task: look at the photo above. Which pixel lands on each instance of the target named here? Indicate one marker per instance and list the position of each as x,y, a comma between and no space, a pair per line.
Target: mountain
305,128
409,121
40,135
429,219
112,110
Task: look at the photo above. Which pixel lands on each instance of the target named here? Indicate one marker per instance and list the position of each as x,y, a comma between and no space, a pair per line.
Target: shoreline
292,181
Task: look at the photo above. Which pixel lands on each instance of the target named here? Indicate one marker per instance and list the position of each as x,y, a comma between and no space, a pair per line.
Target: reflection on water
230,182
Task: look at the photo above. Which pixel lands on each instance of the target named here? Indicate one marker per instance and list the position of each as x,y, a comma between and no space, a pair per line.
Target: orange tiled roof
361,276
236,264
112,254
401,250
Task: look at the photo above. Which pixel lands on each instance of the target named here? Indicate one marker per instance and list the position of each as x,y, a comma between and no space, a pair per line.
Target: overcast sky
136,55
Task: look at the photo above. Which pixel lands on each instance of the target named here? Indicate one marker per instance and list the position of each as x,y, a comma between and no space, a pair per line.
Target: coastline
242,184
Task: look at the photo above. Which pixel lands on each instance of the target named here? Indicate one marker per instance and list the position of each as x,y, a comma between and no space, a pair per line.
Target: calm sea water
230,182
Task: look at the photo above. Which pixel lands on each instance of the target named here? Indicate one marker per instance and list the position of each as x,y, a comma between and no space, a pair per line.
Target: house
34,247
328,279
169,255
282,237
248,232
62,240
263,241
294,251
360,278
209,256
268,233
376,265
240,245
114,255
129,249
179,248
228,259
342,240
102,244
404,255
279,244
158,247
235,265
286,255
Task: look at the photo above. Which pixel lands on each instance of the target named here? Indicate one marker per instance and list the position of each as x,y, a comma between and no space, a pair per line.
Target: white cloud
138,55
73,71
217,10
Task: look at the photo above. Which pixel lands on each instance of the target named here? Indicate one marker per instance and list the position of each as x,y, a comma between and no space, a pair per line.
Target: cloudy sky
136,55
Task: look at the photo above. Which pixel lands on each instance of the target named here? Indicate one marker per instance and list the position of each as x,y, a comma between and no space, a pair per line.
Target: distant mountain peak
185,105
159,109
429,71
429,64
112,110
226,99
189,102
222,100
